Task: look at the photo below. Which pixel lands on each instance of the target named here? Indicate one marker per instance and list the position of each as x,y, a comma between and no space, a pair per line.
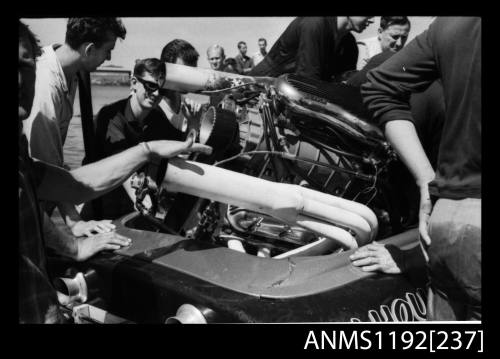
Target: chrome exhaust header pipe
190,314
71,291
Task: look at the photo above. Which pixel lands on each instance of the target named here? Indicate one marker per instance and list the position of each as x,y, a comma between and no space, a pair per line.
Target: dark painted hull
148,281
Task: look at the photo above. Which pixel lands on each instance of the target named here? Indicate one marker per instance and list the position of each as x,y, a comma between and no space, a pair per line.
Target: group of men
46,93
146,124
241,64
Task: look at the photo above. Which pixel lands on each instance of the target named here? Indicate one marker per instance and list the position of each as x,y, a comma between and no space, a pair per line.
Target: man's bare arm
404,139
92,180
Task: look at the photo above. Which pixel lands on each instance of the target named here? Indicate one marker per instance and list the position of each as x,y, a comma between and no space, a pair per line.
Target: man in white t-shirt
88,43
392,35
259,55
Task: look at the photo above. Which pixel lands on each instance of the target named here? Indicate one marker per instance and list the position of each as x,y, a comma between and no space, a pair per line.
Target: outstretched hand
192,112
89,246
83,228
169,149
375,257
190,108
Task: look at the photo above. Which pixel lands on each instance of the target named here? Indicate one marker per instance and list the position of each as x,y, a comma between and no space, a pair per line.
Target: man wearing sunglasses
126,123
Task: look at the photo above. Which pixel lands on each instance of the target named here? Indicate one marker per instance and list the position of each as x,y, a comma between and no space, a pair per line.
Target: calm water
74,150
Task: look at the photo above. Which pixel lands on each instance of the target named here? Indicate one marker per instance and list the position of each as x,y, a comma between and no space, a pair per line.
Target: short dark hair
26,33
386,21
241,43
92,29
153,66
180,49
262,39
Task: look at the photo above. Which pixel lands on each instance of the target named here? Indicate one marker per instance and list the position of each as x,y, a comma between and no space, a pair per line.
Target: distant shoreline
109,82
110,78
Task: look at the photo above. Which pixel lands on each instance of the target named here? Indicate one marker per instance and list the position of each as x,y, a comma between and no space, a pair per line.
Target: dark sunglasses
150,86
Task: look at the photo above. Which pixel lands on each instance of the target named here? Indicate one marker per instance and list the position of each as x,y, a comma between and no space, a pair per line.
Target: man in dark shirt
128,122
428,111
427,107
450,50
245,62
320,48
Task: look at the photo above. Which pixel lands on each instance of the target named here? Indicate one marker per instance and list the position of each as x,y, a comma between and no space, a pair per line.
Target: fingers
107,221
192,106
374,247
424,215
112,247
424,235
169,149
371,268
365,261
359,254
369,250
424,250
374,257
423,226
121,240
106,225
198,147
113,238
177,147
116,241
98,229
186,111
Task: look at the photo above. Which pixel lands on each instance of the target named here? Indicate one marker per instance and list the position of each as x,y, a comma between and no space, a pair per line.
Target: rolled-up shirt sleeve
387,92
42,126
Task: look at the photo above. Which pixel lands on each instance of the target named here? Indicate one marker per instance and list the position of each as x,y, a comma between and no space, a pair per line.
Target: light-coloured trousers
455,260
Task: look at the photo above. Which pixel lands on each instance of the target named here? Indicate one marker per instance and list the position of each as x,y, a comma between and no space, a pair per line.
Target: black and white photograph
209,170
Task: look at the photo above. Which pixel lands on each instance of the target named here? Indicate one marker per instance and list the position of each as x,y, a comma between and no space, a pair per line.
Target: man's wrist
147,150
423,183
77,256
71,222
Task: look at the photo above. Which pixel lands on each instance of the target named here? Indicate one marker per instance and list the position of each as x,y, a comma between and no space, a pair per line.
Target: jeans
455,260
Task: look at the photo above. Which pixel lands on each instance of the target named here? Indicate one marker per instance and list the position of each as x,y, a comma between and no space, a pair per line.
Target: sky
147,36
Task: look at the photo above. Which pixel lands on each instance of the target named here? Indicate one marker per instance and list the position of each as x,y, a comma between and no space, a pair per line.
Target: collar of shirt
243,58
54,65
131,119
